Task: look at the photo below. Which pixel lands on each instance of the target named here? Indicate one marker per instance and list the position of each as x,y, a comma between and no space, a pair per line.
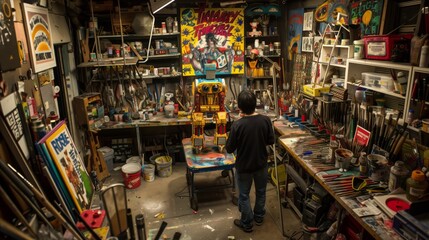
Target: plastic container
163,166
379,80
149,172
425,125
131,173
416,185
358,49
398,175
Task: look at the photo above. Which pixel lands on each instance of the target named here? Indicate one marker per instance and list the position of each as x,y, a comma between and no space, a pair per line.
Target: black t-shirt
250,136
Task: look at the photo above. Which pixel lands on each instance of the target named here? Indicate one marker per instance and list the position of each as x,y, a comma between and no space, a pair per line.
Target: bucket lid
133,159
131,168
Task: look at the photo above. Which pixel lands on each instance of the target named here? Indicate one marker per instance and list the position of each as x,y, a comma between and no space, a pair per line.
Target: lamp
157,5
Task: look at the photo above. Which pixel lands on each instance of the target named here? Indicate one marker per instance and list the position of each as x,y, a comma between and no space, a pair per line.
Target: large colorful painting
295,22
65,160
39,37
368,14
212,35
9,58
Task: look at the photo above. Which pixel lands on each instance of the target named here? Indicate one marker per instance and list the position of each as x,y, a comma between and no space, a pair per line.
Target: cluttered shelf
380,90
108,62
129,36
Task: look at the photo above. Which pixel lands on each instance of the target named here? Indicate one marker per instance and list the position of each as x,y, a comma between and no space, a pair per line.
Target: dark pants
244,182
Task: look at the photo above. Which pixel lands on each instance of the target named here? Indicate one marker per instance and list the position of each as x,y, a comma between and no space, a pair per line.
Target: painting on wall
307,44
9,57
39,37
295,22
308,21
367,13
212,35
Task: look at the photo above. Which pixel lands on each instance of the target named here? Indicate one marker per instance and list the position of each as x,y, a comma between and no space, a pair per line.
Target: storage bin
378,80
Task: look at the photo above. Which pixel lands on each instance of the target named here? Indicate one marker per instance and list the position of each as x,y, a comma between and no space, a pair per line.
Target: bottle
410,116
363,164
175,25
333,145
424,55
398,175
416,185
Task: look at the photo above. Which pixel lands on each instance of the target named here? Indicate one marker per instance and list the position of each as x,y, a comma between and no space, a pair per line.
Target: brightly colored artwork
295,22
212,35
368,14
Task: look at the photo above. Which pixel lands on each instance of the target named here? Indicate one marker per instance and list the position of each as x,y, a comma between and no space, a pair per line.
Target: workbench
295,145
209,159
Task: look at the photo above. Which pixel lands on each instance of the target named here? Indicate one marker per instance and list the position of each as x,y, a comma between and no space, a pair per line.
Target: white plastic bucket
149,172
131,174
134,159
163,166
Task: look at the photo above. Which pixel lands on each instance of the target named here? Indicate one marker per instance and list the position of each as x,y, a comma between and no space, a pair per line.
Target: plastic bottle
410,116
416,185
398,175
424,55
363,164
175,25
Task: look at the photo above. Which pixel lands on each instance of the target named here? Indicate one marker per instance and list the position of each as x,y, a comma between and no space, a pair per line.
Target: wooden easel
96,160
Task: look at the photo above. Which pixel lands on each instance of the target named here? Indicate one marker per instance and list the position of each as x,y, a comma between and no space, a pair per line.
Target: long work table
297,142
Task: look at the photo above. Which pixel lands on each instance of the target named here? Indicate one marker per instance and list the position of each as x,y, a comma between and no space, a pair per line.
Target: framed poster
368,14
308,21
307,44
212,35
67,161
40,42
9,57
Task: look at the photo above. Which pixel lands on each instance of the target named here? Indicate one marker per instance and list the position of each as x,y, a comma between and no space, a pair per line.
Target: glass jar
416,185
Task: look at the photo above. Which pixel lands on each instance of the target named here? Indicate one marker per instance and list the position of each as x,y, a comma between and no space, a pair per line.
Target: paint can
425,125
149,172
131,175
342,158
163,166
378,168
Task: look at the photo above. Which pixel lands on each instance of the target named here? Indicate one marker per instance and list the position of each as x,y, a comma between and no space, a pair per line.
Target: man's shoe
259,221
237,223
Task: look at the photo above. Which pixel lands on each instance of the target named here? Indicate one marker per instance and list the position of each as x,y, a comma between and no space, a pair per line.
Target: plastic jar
416,185
398,175
358,51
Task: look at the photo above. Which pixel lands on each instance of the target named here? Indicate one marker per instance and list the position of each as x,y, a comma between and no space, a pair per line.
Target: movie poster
70,166
212,35
9,58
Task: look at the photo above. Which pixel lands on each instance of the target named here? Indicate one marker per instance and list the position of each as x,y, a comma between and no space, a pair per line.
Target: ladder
329,29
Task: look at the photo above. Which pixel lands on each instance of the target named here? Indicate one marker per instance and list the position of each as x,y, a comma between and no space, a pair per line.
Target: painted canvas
212,35
368,14
9,57
307,44
308,21
39,37
295,22
66,158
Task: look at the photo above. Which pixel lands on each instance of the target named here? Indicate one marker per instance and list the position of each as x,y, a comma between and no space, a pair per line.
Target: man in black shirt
249,137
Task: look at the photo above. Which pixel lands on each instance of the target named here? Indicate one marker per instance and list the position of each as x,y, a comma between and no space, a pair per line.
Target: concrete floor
168,198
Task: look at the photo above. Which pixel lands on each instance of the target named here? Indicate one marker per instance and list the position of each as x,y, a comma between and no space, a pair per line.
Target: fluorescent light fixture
157,5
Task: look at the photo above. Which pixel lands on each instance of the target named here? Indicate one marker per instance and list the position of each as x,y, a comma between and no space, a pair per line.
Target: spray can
398,175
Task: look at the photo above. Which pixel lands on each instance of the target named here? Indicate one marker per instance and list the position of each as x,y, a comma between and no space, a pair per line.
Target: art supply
358,52
377,167
416,185
363,164
398,175
149,172
424,55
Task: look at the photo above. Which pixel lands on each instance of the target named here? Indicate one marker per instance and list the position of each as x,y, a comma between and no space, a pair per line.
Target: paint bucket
163,166
343,157
134,159
149,172
378,167
131,174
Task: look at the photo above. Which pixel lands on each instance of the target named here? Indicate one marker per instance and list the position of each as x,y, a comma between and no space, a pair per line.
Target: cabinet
393,99
334,60
89,107
262,24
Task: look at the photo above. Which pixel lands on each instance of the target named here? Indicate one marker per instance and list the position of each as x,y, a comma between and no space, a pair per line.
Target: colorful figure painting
368,14
212,35
39,37
295,22
9,57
